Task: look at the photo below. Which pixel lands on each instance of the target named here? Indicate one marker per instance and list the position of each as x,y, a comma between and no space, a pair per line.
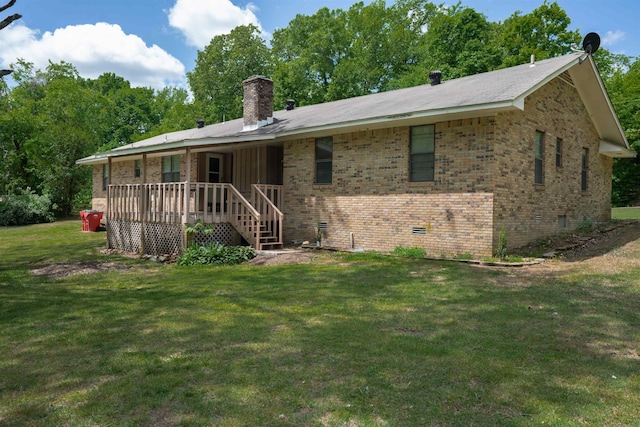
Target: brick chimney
258,102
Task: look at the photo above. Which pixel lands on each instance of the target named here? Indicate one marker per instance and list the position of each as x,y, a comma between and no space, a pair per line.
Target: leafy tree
543,33
216,80
173,111
69,115
132,111
306,54
459,41
18,128
622,78
367,61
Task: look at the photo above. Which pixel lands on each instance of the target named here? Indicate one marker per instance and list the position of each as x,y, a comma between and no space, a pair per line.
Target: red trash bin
90,220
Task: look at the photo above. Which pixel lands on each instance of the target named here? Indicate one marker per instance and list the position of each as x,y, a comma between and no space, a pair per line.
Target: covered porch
239,191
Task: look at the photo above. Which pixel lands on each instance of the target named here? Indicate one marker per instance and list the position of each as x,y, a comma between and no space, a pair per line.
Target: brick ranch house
444,167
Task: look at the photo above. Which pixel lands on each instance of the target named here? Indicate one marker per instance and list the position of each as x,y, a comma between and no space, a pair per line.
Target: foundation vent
538,218
419,231
323,226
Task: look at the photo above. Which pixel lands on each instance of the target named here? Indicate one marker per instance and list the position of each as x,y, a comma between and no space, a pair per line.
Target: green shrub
501,252
414,252
464,256
216,253
26,207
585,226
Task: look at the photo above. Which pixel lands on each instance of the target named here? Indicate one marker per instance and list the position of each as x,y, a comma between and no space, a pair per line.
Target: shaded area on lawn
379,342
348,339
580,246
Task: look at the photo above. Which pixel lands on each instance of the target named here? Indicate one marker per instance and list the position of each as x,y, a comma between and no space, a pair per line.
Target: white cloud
93,49
612,37
201,20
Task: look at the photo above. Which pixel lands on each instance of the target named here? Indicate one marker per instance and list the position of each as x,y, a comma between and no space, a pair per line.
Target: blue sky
155,42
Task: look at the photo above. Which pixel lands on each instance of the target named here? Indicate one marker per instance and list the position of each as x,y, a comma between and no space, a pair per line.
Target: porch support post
187,191
187,187
108,199
143,200
108,189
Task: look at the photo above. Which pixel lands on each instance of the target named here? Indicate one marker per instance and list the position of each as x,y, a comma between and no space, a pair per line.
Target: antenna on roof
590,45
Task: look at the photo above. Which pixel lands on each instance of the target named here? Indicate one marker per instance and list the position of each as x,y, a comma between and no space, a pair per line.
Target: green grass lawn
625,213
348,340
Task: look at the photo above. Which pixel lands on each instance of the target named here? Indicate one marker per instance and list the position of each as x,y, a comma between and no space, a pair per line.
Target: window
422,153
585,169
559,152
324,160
105,177
214,168
171,168
137,168
539,161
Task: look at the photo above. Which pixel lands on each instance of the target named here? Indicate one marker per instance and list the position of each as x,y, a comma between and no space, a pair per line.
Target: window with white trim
422,153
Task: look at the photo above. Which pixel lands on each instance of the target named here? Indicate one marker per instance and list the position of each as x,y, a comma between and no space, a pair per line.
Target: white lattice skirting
160,238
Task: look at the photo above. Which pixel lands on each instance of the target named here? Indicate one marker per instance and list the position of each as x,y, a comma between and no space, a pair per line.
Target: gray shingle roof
500,89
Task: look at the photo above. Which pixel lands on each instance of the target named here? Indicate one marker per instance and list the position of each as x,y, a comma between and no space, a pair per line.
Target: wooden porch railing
272,192
244,217
271,217
182,202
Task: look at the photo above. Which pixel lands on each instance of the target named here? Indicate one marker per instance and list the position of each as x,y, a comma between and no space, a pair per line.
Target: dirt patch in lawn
289,257
610,249
67,269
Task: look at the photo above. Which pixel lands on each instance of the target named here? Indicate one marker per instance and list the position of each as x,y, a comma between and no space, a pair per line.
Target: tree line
53,117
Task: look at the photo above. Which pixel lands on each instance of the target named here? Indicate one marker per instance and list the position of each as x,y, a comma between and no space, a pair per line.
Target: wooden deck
258,221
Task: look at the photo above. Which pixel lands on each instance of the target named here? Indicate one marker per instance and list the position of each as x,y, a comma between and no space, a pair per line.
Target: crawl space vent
323,226
419,231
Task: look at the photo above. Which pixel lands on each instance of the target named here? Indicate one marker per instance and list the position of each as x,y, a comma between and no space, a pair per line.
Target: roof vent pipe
289,104
200,123
435,77
533,61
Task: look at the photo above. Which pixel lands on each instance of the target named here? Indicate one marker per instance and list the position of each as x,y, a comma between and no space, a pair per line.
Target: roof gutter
102,157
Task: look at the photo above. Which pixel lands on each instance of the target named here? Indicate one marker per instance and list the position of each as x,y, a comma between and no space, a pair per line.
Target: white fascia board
603,89
454,113
91,160
612,150
172,146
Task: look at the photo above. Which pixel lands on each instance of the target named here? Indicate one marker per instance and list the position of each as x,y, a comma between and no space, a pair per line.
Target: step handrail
272,216
247,221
